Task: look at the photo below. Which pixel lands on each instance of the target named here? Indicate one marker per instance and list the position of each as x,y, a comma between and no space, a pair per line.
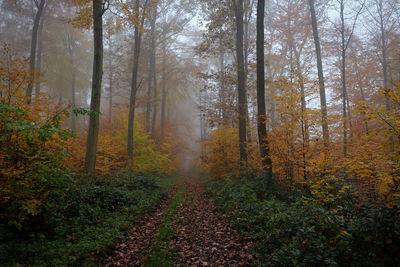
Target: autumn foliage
31,144
298,154
149,156
36,149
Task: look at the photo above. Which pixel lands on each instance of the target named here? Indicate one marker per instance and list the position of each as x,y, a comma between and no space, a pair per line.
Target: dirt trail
132,251
202,236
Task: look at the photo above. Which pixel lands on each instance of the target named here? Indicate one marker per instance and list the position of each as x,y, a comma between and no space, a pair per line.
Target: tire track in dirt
203,238
133,250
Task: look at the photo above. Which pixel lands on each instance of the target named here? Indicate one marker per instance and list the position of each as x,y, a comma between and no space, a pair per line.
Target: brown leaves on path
203,237
132,251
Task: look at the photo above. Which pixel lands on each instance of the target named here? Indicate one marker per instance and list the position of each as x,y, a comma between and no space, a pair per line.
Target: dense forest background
284,105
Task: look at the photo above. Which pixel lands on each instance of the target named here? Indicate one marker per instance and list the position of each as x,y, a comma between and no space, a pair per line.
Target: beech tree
261,114
136,55
344,44
40,7
242,95
99,7
321,81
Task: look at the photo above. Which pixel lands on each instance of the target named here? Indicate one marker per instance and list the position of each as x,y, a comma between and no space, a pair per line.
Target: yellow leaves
84,18
112,156
222,152
14,76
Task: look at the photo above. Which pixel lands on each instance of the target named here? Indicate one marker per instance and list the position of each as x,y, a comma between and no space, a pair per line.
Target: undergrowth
83,220
292,227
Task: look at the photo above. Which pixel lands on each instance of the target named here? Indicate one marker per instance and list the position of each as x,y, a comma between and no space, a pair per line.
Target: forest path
187,232
133,250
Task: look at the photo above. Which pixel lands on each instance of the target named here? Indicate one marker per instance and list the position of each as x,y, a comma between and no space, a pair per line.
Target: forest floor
187,230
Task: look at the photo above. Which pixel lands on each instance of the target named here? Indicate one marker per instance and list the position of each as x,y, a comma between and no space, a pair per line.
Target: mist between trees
305,93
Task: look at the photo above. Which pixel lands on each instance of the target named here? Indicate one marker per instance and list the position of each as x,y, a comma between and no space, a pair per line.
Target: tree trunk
261,116
135,68
33,49
324,112
111,76
73,80
155,94
360,86
246,66
343,74
91,146
152,67
164,89
304,122
39,53
384,62
221,93
384,54
238,7
70,44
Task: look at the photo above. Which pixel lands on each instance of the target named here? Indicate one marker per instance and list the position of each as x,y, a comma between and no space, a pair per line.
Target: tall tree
382,27
39,51
91,145
321,82
152,68
40,7
261,113
344,43
70,44
164,88
135,68
242,103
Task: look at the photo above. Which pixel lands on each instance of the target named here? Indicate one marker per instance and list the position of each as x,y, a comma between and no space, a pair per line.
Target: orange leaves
14,76
148,157
222,152
84,16
31,143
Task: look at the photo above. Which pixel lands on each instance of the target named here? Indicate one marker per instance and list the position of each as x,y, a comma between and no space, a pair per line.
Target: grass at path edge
160,254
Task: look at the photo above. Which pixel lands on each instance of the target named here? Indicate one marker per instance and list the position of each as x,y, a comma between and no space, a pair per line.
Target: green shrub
31,148
292,228
85,218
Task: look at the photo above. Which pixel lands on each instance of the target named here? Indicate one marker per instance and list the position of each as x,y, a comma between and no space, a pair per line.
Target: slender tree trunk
238,7
324,112
70,44
349,116
135,68
384,61
222,100
148,104
261,116
246,67
164,89
73,80
343,74
384,53
91,146
111,76
151,80
39,53
155,104
362,97
33,49
155,93
304,121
